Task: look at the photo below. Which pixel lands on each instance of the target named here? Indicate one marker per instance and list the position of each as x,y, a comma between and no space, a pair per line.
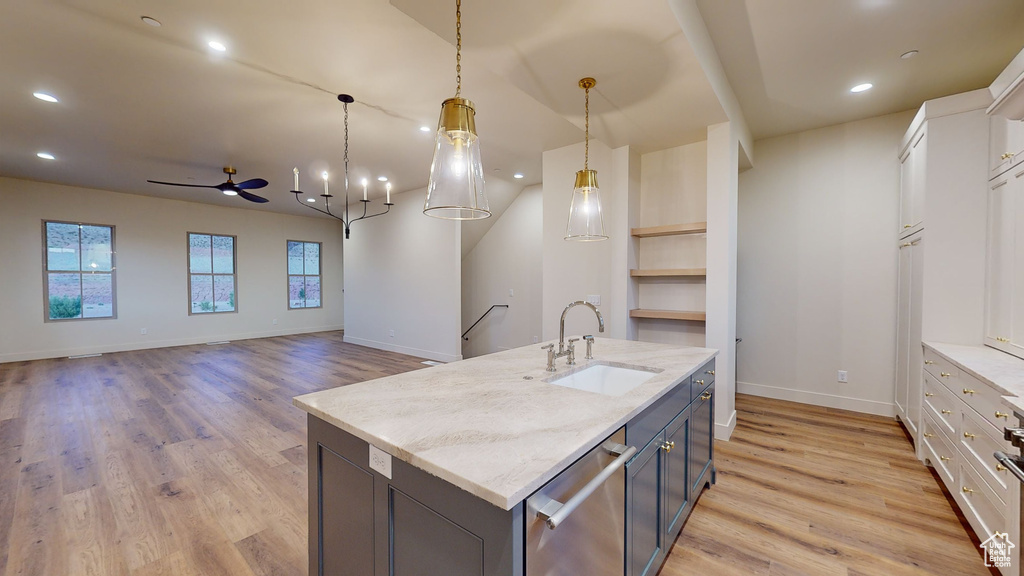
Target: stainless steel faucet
571,350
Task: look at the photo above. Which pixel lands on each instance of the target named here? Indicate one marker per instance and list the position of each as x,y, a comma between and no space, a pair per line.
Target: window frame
288,274
81,273
212,274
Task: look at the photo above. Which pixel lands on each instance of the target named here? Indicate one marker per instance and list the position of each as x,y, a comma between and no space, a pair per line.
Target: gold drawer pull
945,458
1001,339
968,435
929,435
944,374
968,391
928,394
701,382
668,446
705,396
1006,156
967,490
1000,468
711,372
908,226
946,411
928,362
1002,415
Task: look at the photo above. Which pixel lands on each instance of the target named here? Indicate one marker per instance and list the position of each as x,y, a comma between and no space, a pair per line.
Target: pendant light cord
586,146
346,151
458,48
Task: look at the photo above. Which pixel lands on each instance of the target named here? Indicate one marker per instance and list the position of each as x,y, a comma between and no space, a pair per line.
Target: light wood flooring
192,461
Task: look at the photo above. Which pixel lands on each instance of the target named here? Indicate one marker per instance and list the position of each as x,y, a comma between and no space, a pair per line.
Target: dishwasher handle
1012,464
554,512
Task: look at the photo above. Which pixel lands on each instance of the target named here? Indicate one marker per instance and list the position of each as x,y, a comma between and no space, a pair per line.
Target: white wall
403,273
508,257
152,286
817,265
574,270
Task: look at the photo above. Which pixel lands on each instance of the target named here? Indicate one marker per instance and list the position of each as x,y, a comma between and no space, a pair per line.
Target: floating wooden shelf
669,272
670,230
668,315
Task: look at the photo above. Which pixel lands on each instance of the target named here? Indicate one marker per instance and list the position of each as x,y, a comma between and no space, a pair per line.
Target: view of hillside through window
303,274
79,271
211,265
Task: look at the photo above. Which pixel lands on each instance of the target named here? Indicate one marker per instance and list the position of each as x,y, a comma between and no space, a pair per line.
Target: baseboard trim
724,431
817,399
151,344
408,350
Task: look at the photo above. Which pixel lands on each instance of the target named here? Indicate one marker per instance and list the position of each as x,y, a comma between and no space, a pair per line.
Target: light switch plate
380,461
594,299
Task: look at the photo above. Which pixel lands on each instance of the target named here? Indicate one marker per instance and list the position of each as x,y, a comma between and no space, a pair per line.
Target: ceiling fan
229,188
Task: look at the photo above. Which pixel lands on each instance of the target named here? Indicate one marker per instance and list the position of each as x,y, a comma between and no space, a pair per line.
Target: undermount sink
605,379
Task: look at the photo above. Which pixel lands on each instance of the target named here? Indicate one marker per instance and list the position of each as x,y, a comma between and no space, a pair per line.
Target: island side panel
423,524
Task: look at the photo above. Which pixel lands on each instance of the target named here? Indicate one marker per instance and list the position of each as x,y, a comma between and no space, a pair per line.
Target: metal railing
481,318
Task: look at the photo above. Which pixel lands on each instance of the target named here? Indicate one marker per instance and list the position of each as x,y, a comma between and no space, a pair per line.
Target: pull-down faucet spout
561,323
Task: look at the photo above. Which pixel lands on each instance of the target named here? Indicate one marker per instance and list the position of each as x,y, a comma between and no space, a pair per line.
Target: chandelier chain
346,150
586,146
458,48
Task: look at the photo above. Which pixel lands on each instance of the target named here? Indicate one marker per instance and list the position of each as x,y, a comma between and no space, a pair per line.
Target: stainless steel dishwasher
575,524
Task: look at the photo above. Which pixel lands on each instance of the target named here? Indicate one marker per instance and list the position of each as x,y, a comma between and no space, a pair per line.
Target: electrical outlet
391,333
143,331
842,376
380,461
535,339
275,322
511,293
594,299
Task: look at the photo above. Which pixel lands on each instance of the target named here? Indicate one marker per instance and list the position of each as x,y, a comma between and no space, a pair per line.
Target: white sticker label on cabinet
380,461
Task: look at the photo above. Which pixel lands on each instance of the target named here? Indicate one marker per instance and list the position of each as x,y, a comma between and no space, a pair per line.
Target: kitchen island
428,472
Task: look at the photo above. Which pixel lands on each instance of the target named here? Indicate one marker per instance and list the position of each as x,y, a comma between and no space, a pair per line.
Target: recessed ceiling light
382,178
862,87
517,176
151,21
45,97
46,155
311,200
909,54
219,47
424,128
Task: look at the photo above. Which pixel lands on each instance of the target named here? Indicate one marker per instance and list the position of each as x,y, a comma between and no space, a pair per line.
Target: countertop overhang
491,425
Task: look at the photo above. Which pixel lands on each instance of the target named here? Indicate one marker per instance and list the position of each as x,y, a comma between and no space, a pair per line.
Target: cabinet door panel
644,545
702,425
346,515
999,281
677,493
903,331
906,189
1016,190
916,363
424,543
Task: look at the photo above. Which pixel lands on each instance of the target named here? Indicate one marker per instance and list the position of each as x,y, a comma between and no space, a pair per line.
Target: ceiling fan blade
178,184
252,197
252,184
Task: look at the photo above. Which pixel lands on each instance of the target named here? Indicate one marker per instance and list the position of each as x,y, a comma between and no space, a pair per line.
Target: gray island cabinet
430,473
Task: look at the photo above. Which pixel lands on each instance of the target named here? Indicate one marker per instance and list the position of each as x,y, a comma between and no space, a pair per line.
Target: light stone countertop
1000,370
478,424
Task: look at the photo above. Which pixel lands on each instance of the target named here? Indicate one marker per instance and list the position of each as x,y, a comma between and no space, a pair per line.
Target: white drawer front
942,405
943,370
985,400
983,509
939,451
977,443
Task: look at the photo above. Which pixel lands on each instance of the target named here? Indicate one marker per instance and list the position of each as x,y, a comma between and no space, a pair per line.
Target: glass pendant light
455,190
586,222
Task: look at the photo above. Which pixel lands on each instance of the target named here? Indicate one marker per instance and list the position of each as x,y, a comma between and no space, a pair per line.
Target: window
303,274
79,263
211,273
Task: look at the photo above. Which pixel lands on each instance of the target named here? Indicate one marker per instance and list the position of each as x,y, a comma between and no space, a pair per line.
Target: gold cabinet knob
928,394
705,396
969,435
946,411
944,374
1000,468
966,490
929,362
945,458
1002,415
906,245
701,382
968,391
929,435
711,372
668,446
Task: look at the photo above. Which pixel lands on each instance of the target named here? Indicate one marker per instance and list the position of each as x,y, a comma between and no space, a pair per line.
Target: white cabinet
908,334
1004,304
1006,144
912,183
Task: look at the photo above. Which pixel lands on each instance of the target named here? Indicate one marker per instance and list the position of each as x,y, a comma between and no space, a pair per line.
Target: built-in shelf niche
670,230
668,315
